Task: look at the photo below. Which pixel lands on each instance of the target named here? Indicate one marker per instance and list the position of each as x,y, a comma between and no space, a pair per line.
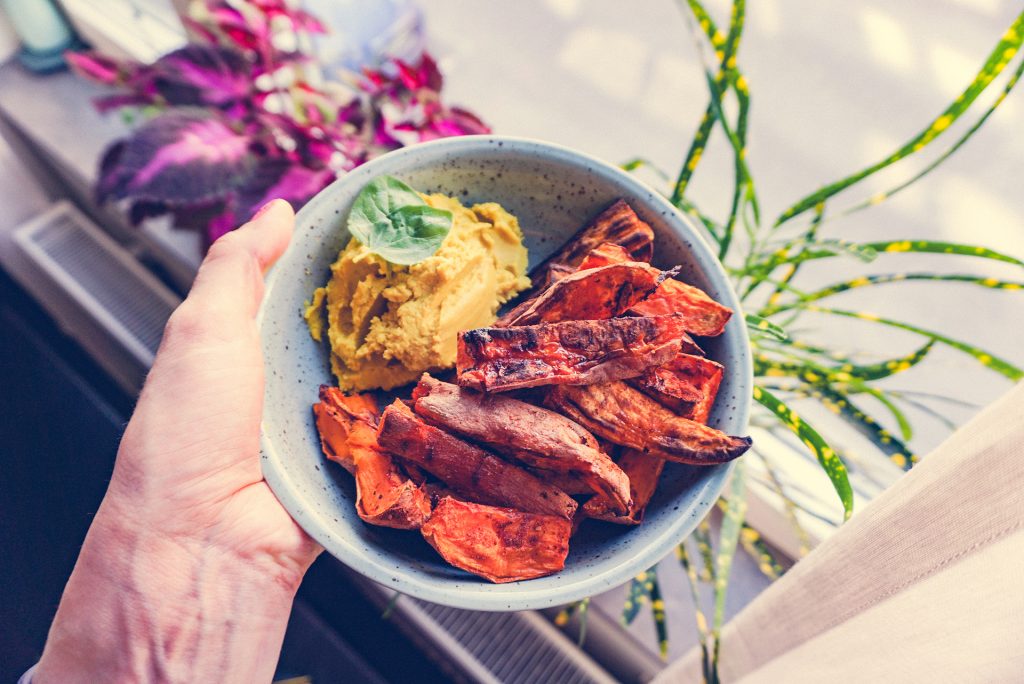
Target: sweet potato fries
626,416
530,434
567,353
384,494
467,469
499,544
487,469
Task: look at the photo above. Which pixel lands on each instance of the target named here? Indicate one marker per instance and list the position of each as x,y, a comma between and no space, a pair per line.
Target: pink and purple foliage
234,120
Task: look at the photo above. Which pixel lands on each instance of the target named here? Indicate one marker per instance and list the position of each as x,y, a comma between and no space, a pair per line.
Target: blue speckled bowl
553,190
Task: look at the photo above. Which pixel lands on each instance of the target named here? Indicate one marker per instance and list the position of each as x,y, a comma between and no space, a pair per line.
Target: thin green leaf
847,369
755,547
885,369
822,384
809,235
882,196
762,326
997,60
658,613
830,462
759,272
743,182
796,252
886,278
940,247
701,620
813,372
840,402
848,374
390,607
726,47
582,611
702,535
637,594
728,538
987,359
906,428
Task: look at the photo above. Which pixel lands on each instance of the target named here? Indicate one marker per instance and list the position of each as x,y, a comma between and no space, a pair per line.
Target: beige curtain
925,584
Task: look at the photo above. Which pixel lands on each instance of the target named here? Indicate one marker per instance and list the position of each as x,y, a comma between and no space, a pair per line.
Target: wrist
145,605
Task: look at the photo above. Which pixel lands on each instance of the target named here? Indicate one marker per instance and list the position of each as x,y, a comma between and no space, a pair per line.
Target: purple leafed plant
243,114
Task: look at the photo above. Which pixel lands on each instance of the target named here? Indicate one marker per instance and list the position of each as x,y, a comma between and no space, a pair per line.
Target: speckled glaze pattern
552,190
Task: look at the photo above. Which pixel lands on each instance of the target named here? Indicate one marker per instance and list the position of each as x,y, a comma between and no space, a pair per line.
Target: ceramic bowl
553,191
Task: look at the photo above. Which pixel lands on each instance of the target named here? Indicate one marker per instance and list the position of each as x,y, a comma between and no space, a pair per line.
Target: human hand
191,564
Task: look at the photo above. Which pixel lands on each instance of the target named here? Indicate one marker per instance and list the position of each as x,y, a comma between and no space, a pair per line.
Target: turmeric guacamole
387,324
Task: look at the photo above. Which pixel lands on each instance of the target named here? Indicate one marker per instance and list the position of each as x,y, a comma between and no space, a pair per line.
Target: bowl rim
518,595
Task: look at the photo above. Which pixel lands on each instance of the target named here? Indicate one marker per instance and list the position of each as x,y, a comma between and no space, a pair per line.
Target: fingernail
264,209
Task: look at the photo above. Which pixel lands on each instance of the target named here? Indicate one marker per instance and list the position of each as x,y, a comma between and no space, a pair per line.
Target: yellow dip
388,324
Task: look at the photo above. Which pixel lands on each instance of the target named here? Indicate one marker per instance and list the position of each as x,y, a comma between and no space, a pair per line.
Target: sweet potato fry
332,426
334,414
643,471
693,376
704,316
348,434
384,496
593,294
687,384
554,273
359,406
499,544
627,416
470,471
572,352
618,224
604,254
532,435
571,484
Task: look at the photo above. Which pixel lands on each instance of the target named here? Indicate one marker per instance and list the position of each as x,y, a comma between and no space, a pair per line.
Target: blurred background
834,87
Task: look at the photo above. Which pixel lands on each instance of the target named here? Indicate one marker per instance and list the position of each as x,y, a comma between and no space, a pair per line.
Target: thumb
229,285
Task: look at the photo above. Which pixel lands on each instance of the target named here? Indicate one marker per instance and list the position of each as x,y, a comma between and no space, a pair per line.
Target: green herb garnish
394,222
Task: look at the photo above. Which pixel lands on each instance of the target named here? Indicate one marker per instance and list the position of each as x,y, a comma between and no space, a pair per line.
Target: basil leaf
394,222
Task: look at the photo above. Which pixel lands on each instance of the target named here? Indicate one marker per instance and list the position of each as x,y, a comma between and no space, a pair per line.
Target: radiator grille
119,290
95,289
516,648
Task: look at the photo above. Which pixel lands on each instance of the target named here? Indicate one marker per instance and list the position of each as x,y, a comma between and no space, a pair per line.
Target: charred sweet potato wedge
384,495
628,417
470,471
498,544
334,414
693,376
704,316
532,435
571,484
603,255
360,406
572,352
687,384
618,224
643,471
332,426
593,294
348,434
